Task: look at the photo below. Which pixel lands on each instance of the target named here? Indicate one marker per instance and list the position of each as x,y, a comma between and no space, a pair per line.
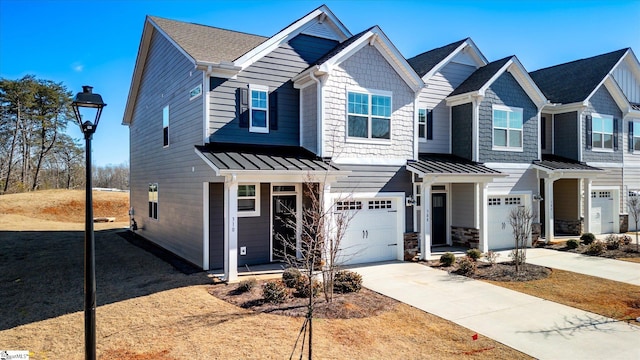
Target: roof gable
430,62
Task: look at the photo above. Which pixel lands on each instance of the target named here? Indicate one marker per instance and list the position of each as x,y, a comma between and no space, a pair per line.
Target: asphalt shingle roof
207,43
554,162
338,48
480,77
450,165
423,63
574,81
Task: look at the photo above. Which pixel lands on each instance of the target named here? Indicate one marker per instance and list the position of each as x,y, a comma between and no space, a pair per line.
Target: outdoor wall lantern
85,104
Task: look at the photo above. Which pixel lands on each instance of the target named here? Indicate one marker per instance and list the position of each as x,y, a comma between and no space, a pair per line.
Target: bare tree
634,209
521,220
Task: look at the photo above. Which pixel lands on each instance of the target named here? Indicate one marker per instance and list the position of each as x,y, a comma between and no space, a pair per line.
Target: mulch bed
505,271
624,251
362,304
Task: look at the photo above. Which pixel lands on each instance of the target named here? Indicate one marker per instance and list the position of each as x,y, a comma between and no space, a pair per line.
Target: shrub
613,242
467,266
474,254
491,257
291,277
246,285
447,259
302,287
625,239
587,238
347,282
274,291
596,248
573,243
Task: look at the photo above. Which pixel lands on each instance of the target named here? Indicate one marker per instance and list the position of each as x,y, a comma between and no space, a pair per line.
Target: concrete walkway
617,270
540,328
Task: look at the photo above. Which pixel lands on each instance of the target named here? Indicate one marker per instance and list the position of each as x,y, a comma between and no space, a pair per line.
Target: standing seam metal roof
554,162
449,165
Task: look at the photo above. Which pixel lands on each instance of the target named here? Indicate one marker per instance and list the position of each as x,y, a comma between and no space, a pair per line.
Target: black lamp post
89,102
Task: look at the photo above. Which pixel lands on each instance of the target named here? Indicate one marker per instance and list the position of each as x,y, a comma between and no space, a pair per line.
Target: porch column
481,215
548,209
425,227
587,204
231,228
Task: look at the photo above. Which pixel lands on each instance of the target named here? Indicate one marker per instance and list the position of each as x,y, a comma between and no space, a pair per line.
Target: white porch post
587,204
481,218
425,227
231,228
548,209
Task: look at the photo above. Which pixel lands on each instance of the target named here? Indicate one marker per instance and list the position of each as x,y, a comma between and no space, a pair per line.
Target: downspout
206,111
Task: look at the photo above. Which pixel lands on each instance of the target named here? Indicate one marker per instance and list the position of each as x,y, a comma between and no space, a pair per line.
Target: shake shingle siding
565,135
603,104
506,91
275,70
462,130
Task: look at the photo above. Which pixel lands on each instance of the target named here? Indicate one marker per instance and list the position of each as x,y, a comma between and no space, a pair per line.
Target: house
591,153
477,140
225,127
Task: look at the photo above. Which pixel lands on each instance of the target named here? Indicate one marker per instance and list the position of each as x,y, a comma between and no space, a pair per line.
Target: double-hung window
601,132
258,109
425,124
153,201
368,115
507,128
248,200
635,135
165,126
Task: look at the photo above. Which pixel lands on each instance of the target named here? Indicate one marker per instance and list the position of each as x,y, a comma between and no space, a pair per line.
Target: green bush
587,238
303,289
274,291
613,242
291,277
573,243
346,281
246,285
474,254
596,248
447,259
467,266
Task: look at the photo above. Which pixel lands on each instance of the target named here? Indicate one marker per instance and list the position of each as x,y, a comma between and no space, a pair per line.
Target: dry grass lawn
149,310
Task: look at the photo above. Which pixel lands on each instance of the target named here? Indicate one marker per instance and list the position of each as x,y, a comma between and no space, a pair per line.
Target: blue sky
96,42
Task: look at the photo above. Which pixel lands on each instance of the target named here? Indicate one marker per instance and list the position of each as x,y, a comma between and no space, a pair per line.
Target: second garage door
601,212
372,232
500,233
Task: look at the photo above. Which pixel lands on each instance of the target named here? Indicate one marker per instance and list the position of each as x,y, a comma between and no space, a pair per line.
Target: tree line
35,151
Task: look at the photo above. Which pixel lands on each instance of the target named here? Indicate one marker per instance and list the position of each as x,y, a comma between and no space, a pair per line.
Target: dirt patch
362,304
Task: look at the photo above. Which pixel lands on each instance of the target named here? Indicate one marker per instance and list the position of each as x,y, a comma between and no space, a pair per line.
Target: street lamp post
89,102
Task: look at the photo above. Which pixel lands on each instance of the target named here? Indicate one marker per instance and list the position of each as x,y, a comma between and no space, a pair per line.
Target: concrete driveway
540,328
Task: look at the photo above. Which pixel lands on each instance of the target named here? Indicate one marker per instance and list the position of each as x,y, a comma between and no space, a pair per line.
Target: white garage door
372,232
500,232
601,212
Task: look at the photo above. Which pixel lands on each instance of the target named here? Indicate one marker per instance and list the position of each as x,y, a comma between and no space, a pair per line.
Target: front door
284,227
439,217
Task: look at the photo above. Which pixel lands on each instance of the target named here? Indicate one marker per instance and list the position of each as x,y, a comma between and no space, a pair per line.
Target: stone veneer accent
410,245
624,223
465,236
536,232
568,227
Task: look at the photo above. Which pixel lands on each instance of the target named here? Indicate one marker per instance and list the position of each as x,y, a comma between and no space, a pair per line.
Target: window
368,116
512,201
248,200
379,204
425,124
153,201
348,205
165,126
259,109
634,130
507,128
601,132
494,201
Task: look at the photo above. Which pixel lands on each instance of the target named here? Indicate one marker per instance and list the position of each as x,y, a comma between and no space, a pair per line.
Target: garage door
372,232
500,233
601,212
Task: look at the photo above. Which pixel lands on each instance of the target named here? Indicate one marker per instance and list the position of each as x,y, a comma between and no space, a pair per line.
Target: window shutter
273,111
430,125
243,107
588,135
631,136
615,134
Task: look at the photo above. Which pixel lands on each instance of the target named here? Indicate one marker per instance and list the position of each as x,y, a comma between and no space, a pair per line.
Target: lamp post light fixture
89,102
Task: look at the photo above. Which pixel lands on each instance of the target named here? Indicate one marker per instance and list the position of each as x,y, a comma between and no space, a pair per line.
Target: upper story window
425,124
369,115
634,135
259,109
153,201
507,128
165,126
601,132
248,200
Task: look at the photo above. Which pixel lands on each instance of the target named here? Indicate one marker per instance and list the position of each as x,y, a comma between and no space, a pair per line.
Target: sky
96,42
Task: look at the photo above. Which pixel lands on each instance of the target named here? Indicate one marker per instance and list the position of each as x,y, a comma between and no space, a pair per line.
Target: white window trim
157,202
168,117
426,114
256,197
258,129
636,125
507,148
602,149
367,140
197,90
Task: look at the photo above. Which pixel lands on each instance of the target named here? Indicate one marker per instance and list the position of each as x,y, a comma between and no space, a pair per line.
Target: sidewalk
540,328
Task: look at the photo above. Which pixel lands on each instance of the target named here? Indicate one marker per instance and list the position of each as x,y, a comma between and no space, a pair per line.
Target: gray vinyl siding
255,232
462,130
506,91
216,225
602,103
462,205
180,173
377,179
310,118
565,135
274,70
